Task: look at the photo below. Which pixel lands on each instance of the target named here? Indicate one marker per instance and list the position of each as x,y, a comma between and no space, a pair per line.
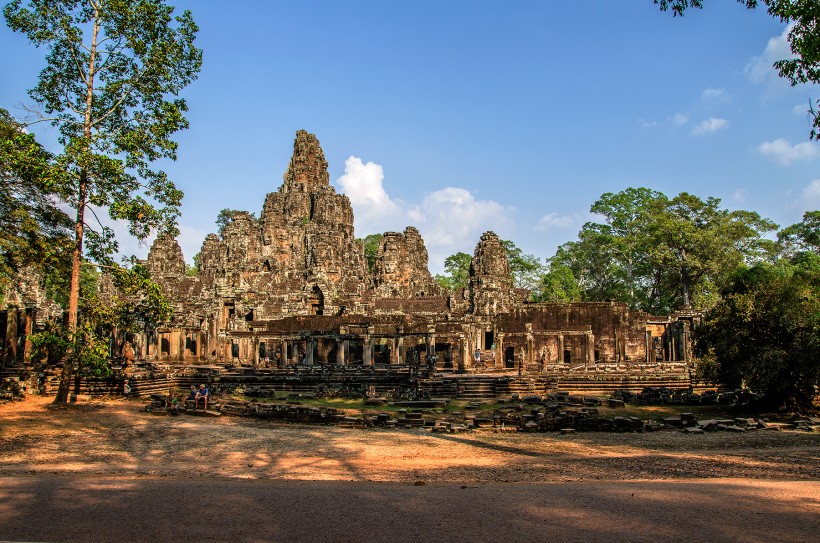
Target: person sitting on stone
202,394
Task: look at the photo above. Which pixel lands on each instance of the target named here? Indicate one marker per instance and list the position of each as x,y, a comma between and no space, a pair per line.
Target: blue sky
461,117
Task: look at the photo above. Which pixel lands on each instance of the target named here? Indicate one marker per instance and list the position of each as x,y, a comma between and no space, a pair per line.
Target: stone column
158,351
11,335
590,348
400,346
283,353
29,329
560,348
213,333
530,343
367,350
255,347
463,354
394,351
499,350
342,347
309,347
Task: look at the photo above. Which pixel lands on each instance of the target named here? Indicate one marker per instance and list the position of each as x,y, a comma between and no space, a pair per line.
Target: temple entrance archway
316,302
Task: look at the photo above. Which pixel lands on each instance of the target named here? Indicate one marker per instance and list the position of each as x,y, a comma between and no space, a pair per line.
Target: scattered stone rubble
558,412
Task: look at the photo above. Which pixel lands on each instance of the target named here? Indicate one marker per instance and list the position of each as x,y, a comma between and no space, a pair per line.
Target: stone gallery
292,290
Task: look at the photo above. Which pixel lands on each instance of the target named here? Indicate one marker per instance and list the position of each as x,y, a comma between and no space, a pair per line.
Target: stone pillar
463,354
499,350
394,351
309,347
255,347
560,348
29,329
367,351
11,335
340,352
283,353
342,347
400,346
590,348
158,351
649,350
213,333
530,343
431,340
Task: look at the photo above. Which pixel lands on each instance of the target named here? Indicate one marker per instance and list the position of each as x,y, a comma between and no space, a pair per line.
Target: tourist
126,389
203,394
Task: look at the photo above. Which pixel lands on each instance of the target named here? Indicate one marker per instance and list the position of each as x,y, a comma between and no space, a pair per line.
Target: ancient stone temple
293,289
290,298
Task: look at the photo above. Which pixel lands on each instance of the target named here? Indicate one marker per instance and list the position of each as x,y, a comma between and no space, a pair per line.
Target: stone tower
491,286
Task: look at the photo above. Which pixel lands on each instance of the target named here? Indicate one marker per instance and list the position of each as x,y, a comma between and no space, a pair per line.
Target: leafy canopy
34,231
111,87
765,331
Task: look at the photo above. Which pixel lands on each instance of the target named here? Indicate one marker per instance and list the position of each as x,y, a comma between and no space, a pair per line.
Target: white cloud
453,220
554,220
710,94
649,124
740,195
712,124
449,220
760,69
811,196
364,185
679,119
786,153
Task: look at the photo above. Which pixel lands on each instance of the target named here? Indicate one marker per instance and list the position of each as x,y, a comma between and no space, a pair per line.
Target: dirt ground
767,482
119,438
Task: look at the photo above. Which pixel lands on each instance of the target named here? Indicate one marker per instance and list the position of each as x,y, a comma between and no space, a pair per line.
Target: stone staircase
476,388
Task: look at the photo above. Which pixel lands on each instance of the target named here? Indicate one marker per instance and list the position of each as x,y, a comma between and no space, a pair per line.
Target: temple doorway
316,302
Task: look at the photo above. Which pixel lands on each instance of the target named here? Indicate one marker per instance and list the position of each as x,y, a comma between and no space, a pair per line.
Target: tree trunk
77,256
684,286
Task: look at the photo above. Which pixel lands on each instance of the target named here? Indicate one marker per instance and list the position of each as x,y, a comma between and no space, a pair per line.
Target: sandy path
111,472
168,509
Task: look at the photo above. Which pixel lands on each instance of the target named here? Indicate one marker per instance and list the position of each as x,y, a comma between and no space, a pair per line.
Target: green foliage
111,66
133,303
658,254
765,332
801,237
457,267
371,245
33,230
804,65
557,285
225,217
526,269
111,87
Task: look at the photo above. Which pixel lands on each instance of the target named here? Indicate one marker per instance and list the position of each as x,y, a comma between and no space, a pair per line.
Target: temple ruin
292,291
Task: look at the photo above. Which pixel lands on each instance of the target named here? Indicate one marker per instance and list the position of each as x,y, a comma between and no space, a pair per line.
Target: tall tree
657,254
225,217
558,285
33,230
701,243
626,214
457,267
803,236
526,269
765,331
115,70
371,244
803,38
